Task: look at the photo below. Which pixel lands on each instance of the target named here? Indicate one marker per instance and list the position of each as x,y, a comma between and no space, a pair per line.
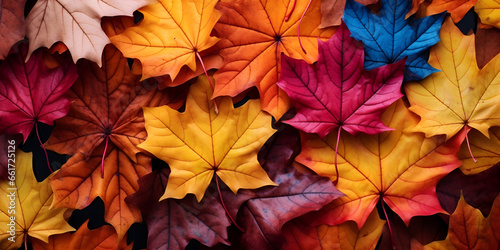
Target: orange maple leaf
79,182
198,142
210,58
468,228
171,35
400,167
253,36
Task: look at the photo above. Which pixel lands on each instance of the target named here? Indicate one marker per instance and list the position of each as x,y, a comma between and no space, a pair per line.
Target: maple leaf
104,237
167,220
30,92
79,24
301,235
199,142
468,229
107,105
478,190
400,38
460,95
253,35
336,92
211,59
457,9
11,25
31,199
400,167
332,11
79,182
267,209
262,217
488,11
171,35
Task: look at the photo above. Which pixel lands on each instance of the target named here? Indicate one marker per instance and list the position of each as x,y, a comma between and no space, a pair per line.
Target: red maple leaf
30,92
337,92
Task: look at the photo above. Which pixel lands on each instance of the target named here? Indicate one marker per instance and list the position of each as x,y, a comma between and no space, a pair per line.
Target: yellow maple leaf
199,142
170,35
31,202
460,94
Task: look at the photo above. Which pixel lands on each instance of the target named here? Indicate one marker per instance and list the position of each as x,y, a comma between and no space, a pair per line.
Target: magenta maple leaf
337,92
30,92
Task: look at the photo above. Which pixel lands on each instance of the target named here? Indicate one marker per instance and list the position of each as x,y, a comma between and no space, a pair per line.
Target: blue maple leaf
388,37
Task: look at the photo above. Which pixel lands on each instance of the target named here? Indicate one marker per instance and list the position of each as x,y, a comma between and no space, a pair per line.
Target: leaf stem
287,17
336,152
224,205
41,145
388,223
298,29
209,81
103,156
468,146
26,241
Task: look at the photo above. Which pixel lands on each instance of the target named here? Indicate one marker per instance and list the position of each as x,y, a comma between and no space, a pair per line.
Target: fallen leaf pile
250,124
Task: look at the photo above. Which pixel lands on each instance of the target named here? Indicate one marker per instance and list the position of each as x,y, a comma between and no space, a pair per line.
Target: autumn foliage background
377,127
